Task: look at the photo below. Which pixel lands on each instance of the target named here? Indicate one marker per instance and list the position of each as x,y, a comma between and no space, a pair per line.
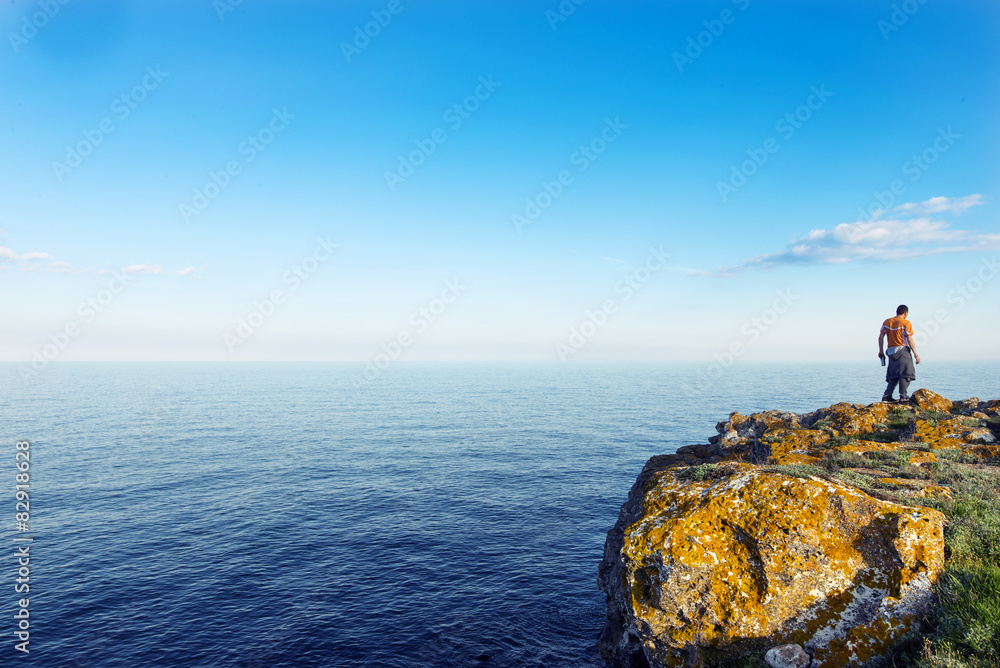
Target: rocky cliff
780,531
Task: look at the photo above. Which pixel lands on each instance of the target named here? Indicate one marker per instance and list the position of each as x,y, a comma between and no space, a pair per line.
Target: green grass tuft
963,629
706,472
968,613
797,470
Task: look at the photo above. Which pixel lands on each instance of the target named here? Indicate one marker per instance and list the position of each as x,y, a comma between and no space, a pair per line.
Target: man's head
902,310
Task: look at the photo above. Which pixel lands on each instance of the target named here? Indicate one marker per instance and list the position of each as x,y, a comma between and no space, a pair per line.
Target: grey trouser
903,384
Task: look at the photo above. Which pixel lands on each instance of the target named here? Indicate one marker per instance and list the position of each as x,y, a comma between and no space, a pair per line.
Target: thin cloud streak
907,233
35,261
45,263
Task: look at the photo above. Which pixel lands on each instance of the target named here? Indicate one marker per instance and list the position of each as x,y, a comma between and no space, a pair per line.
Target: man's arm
881,339
909,342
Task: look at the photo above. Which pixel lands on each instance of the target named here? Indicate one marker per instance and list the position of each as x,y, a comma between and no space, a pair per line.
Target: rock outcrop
743,543
787,656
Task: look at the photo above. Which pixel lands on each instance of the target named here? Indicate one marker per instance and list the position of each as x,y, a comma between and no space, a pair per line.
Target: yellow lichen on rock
851,420
916,488
983,451
712,558
791,442
760,554
933,492
951,433
920,457
930,401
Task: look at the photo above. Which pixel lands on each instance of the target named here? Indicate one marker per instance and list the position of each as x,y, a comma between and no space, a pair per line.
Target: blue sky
513,171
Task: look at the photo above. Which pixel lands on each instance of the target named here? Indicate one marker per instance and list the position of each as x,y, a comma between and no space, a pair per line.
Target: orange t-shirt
898,329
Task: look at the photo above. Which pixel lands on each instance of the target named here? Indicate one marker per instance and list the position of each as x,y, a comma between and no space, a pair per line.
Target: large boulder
719,550
930,401
696,567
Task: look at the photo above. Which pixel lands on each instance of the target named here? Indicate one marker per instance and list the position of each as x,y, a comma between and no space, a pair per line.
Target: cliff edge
807,529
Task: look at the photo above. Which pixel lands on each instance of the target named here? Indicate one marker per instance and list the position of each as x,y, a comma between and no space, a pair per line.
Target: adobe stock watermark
962,294
696,44
248,149
22,543
121,108
420,320
787,126
59,340
381,18
915,168
454,116
582,159
30,25
264,309
901,13
626,288
223,7
562,12
750,332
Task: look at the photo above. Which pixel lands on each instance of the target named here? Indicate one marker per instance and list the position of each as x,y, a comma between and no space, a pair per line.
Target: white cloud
955,205
909,232
143,269
44,262
62,268
35,261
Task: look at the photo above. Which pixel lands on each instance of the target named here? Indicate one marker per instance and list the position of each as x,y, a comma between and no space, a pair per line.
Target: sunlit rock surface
713,560
930,401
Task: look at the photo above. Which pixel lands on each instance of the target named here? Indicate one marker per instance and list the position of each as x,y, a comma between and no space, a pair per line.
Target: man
899,331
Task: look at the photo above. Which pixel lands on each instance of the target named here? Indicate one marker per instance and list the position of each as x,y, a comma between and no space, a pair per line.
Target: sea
286,514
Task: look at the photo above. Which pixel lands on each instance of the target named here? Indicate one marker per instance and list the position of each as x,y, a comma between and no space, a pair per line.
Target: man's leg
903,384
890,387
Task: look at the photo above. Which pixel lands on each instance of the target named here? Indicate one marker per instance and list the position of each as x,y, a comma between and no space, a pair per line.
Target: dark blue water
271,515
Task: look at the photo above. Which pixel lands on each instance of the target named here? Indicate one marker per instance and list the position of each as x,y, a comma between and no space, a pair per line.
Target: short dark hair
901,309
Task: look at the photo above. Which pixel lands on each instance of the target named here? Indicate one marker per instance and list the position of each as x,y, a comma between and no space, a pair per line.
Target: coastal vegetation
962,629
940,460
